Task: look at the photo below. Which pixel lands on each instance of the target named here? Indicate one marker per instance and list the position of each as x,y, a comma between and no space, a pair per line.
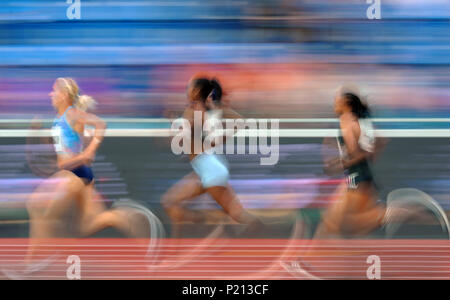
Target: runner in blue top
73,184
68,143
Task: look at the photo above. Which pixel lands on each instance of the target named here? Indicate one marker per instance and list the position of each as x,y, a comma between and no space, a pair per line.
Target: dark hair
359,108
217,92
209,87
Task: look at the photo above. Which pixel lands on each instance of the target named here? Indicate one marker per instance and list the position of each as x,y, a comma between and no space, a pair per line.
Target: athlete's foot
256,229
299,269
401,214
120,219
196,217
18,274
14,274
133,223
140,222
26,271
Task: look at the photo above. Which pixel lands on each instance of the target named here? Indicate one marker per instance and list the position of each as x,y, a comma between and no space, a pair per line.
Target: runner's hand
333,166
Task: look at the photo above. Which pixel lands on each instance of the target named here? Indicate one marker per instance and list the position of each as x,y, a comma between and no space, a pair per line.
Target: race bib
57,139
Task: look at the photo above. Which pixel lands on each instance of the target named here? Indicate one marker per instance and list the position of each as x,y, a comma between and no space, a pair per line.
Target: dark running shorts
85,173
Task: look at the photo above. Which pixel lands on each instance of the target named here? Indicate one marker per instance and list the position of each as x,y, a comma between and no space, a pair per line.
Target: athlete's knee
175,213
332,225
172,208
108,218
240,215
92,224
168,201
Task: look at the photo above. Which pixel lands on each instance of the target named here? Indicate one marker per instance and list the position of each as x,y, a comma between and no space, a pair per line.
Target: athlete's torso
210,117
66,140
360,172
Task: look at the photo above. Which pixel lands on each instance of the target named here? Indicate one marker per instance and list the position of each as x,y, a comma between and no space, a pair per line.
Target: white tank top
367,136
213,116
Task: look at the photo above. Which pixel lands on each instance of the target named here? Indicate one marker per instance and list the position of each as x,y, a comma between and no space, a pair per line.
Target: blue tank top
66,139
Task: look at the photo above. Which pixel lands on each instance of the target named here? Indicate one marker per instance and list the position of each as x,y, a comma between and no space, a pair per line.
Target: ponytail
359,108
85,103
208,88
217,91
82,102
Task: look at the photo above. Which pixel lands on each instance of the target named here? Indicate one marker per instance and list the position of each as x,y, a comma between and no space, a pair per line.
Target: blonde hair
82,102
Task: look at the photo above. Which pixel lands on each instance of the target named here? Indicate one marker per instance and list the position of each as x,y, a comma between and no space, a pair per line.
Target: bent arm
81,119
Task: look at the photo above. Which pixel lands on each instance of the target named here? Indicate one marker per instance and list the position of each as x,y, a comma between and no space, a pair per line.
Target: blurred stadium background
276,59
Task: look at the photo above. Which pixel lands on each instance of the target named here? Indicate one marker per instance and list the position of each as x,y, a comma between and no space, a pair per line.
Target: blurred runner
73,182
210,172
355,211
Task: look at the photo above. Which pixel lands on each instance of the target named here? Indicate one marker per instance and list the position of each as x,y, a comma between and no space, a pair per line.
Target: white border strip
283,133
285,120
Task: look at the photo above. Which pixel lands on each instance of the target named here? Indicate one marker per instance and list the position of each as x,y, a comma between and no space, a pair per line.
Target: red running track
229,259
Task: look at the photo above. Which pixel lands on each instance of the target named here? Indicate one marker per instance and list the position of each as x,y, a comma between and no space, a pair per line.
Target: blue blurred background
276,59
280,58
